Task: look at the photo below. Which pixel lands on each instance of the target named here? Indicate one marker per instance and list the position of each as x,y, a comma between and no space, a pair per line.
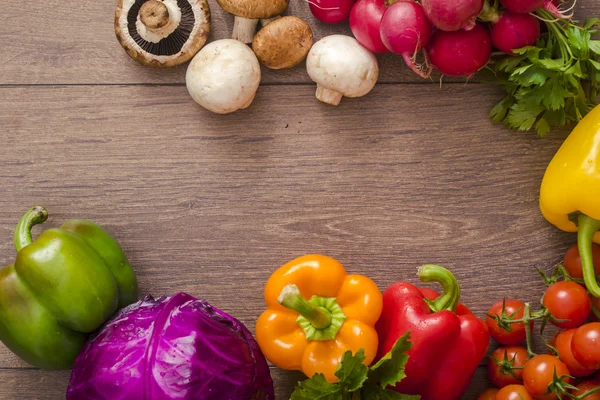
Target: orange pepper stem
320,318
450,297
587,228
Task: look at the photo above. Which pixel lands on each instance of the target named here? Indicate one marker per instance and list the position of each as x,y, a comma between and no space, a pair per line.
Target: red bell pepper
447,345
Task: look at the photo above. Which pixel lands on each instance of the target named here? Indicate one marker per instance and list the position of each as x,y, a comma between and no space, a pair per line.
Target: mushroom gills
174,42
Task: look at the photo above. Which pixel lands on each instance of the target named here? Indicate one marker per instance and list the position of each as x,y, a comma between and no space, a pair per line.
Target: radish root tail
557,12
312,3
423,70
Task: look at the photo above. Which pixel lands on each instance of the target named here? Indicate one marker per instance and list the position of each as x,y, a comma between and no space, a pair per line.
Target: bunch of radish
454,34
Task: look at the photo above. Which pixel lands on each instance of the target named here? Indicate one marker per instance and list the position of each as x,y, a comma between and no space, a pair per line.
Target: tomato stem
526,320
596,312
587,394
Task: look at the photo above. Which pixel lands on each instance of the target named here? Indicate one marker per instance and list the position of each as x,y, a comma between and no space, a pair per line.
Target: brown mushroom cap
283,43
254,9
180,46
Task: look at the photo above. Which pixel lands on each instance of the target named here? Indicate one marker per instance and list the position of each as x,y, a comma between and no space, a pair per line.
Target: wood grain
70,42
211,205
33,384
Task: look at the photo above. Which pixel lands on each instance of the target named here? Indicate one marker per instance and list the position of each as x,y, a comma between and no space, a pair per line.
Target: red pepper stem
587,228
34,216
450,296
291,298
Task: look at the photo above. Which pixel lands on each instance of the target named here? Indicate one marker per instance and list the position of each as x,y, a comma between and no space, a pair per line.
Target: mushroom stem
265,21
244,29
157,19
328,96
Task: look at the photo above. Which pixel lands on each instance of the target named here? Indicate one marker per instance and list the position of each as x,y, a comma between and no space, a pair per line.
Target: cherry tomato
517,333
539,373
568,301
586,345
488,394
331,11
513,392
585,387
516,356
562,344
572,260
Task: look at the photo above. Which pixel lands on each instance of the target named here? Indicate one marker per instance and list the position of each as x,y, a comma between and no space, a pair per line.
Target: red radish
529,6
405,30
331,11
365,19
460,53
522,6
452,15
514,31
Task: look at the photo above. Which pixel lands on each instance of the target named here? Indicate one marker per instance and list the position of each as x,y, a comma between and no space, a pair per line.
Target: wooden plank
33,384
211,205
43,44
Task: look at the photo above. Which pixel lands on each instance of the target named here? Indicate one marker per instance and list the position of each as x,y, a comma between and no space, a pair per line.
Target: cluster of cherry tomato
572,367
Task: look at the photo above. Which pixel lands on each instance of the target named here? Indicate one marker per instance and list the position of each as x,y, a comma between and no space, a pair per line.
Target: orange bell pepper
312,335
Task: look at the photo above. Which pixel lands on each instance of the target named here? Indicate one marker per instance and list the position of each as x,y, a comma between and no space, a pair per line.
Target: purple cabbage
175,347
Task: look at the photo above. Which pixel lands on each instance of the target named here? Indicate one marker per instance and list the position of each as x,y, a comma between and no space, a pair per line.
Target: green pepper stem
291,298
587,228
449,298
34,216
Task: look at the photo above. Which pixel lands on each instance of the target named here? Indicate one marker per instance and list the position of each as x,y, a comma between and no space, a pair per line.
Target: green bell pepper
63,286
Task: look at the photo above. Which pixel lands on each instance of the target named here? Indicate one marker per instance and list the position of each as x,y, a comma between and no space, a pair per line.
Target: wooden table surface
211,205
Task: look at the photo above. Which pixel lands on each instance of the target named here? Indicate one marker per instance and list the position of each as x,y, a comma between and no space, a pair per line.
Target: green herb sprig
553,83
359,382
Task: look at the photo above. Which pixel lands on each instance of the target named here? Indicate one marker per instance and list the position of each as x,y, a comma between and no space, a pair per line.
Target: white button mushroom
224,76
341,67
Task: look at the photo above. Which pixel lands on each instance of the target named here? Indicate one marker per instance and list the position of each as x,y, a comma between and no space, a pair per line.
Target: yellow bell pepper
312,335
570,191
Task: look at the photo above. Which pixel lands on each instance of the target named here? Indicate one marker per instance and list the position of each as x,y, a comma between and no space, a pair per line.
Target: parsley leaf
375,392
316,388
390,369
590,23
545,83
351,371
359,382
